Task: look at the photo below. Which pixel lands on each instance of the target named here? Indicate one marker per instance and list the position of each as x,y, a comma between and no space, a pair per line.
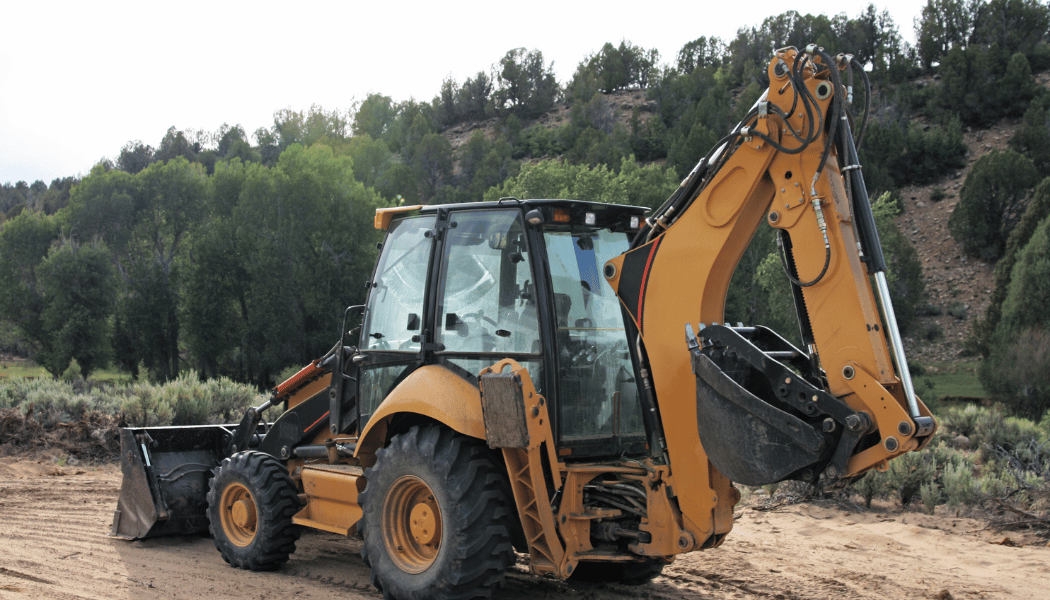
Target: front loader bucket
166,472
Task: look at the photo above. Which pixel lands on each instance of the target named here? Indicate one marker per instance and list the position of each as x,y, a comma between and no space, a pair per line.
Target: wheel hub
244,514
411,524
423,523
238,514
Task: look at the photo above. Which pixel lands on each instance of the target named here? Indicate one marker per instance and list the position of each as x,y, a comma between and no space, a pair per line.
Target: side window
488,303
597,388
395,304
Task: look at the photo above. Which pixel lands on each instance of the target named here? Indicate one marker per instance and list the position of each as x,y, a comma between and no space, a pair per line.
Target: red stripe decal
314,424
645,279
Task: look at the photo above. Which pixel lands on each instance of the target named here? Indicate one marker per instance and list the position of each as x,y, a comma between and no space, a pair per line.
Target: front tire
436,522
251,502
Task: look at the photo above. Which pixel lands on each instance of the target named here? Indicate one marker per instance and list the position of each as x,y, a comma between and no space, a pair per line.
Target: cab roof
606,215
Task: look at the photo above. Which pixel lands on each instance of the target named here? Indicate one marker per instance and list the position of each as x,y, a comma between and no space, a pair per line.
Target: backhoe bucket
166,472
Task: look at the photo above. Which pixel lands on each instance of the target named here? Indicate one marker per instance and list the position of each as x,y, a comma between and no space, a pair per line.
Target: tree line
241,272
233,253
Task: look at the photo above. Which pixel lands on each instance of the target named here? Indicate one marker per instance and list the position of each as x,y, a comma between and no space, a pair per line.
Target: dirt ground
54,543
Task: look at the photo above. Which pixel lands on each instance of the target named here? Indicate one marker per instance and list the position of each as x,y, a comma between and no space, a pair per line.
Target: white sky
79,79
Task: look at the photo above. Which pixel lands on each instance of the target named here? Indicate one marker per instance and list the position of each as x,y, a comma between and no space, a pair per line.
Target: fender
431,391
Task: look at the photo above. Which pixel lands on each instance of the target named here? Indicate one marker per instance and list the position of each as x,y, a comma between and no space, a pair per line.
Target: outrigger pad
165,479
747,439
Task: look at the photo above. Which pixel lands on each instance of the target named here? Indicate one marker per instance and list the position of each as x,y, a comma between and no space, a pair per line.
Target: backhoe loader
556,377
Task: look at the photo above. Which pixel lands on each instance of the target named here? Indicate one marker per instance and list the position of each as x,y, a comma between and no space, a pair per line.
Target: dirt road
54,523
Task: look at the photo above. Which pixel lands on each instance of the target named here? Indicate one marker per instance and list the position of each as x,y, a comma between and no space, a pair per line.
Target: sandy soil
54,522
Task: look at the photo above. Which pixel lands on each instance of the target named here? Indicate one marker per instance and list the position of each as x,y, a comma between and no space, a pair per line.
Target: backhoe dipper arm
763,410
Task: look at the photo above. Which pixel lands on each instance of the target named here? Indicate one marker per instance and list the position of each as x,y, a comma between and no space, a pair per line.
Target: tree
991,202
559,179
1013,26
701,52
527,86
373,115
943,25
474,98
445,109
775,300
1017,87
304,230
1038,210
144,220
432,157
648,185
1018,365
24,242
620,67
904,153
483,164
903,267
1033,137
176,144
687,150
212,311
371,158
134,157
314,126
77,285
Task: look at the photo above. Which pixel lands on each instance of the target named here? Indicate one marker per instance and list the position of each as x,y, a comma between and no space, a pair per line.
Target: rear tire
251,502
436,523
631,573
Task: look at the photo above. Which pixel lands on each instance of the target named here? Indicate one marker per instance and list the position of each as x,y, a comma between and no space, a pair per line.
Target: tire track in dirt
54,544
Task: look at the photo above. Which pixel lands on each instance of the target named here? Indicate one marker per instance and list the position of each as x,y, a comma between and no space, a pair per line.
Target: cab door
485,295
392,330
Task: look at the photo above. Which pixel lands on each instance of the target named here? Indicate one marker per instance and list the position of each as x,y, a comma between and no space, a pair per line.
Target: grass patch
30,370
950,380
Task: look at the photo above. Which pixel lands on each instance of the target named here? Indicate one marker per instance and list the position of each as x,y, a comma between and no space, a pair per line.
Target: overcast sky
78,80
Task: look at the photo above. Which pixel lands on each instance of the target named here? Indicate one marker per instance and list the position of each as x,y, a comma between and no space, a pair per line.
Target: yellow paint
331,492
432,391
385,215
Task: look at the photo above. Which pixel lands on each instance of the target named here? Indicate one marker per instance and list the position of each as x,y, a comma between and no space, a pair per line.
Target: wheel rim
411,525
239,515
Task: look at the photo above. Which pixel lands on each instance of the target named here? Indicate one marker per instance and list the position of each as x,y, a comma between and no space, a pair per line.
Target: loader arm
763,410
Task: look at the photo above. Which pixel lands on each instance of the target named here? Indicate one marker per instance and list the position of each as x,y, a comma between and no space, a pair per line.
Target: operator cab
465,286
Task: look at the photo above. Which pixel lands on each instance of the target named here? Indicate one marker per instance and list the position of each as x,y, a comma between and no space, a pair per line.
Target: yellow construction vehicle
556,377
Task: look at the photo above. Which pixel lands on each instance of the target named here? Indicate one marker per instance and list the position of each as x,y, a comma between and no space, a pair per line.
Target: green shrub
1018,365
146,406
930,310
959,488
933,333
1038,209
994,430
189,403
991,202
1033,137
904,269
930,495
962,420
907,474
993,484
184,401
870,486
229,399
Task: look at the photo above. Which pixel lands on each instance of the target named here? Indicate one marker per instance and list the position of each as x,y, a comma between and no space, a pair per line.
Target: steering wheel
479,317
